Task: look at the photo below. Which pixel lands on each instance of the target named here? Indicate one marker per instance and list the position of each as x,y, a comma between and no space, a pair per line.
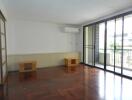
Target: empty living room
65,49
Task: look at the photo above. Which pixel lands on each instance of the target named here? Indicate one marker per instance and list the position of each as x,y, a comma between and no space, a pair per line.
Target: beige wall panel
43,60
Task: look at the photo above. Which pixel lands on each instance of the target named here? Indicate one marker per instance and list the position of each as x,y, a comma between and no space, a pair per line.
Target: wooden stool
27,70
71,64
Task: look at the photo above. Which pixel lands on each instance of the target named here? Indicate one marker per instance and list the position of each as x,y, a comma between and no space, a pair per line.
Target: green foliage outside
117,48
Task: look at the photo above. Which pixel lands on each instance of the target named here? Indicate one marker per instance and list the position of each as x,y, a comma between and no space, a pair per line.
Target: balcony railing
127,57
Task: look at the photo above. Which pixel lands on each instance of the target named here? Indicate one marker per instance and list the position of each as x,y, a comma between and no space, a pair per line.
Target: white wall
26,37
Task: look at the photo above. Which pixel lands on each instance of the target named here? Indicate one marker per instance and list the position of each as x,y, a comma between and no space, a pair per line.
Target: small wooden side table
71,64
26,69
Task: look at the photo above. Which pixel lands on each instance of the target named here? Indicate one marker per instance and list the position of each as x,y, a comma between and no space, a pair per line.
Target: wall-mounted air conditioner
71,30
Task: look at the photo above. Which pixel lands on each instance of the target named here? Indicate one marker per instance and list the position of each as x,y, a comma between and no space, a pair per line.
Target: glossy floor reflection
107,86
56,84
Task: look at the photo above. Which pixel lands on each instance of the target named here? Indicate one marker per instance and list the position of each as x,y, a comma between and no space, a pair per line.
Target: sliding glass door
108,45
114,45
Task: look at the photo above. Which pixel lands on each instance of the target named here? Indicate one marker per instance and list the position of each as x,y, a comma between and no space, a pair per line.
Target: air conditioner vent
71,30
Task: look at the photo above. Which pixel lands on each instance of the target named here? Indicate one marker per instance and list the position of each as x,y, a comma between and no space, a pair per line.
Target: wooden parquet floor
56,84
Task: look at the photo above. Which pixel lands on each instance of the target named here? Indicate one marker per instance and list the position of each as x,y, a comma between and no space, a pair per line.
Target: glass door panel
3,56
89,45
4,70
86,45
0,76
3,60
2,41
2,26
127,46
118,45
99,45
110,45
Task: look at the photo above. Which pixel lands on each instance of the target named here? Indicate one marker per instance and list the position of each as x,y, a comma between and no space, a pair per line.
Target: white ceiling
64,11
